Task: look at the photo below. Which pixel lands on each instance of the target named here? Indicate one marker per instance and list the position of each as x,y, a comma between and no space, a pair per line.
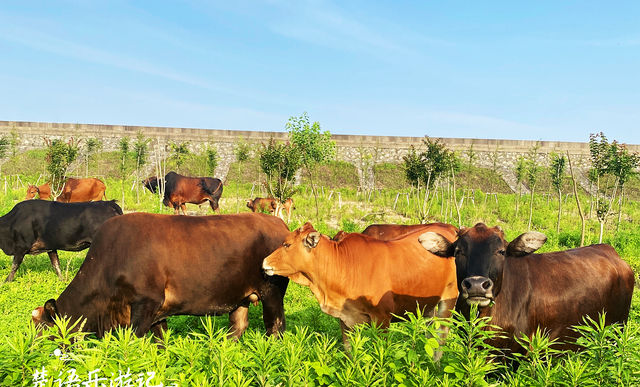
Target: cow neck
71,303
333,271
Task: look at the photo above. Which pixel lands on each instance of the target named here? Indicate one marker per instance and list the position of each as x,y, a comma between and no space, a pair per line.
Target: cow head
44,316
295,258
250,204
480,254
32,190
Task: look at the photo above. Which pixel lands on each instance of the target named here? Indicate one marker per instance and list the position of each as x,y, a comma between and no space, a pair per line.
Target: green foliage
179,153
5,143
315,147
280,162
557,170
141,150
423,169
59,157
211,160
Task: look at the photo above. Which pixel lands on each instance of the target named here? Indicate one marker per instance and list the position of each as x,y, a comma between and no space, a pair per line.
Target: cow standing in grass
39,226
523,292
196,190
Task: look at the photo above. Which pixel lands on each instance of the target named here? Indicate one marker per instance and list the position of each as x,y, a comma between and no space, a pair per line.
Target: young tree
575,194
60,156
520,170
533,170
211,160
93,146
600,162
241,149
427,167
622,164
557,172
315,147
180,153
5,143
140,153
123,145
280,162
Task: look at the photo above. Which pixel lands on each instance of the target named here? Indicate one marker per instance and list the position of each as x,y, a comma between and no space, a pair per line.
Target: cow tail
207,189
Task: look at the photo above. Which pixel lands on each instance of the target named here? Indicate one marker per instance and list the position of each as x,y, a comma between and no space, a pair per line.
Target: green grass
315,335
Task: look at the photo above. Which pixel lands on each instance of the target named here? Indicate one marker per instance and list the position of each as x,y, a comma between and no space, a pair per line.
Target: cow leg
142,313
17,260
272,296
443,311
345,338
55,262
158,329
183,207
238,322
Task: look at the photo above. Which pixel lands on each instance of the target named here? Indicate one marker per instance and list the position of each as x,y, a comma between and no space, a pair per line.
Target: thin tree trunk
455,200
517,197
238,188
620,207
315,192
601,229
575,194
559,210
533,190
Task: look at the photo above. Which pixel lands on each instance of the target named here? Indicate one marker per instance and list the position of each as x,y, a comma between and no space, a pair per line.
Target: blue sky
548,70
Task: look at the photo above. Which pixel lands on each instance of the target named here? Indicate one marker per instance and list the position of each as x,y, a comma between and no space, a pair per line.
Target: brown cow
522,292
386,232
137,276
196,190
362,280
43,191
262,205
82,190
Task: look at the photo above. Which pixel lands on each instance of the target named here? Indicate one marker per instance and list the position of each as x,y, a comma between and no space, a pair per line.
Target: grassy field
314,342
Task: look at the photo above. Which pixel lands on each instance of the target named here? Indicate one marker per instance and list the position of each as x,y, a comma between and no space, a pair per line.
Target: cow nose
477,285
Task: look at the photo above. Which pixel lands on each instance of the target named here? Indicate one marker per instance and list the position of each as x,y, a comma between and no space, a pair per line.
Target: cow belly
178,302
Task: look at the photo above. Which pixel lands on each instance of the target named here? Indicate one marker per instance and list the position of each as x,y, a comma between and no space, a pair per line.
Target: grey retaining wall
362,151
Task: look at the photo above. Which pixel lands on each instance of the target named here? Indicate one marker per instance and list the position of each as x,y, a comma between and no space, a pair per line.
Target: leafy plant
313,146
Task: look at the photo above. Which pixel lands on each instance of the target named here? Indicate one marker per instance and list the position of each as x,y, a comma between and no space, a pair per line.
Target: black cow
522,292
38,226
151,183
136,275
197,190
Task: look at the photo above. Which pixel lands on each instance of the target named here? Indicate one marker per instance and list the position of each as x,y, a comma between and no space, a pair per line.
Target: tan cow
82,190
361,279
43,191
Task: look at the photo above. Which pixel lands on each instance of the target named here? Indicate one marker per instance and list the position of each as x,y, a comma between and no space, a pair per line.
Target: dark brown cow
362,280
43,191
151,183
137,276
522,291
82,190
386,232
262,205
196,190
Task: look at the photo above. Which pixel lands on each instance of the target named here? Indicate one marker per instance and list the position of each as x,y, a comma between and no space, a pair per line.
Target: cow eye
502,252
286,245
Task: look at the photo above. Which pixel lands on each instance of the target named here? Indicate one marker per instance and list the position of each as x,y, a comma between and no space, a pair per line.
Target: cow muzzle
267,269
477,291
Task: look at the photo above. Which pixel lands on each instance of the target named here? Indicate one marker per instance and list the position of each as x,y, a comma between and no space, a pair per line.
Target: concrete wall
362,151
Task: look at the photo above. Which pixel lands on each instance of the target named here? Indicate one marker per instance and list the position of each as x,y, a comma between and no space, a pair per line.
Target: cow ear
50,310
435,243
312,239
526,244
